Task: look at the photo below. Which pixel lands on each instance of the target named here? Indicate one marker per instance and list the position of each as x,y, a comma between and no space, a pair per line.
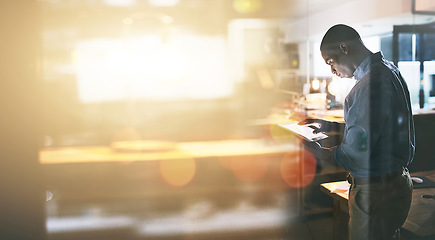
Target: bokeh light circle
178,172
298,168
249,169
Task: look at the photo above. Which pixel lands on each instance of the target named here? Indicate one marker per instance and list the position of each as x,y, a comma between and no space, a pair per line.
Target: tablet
305,131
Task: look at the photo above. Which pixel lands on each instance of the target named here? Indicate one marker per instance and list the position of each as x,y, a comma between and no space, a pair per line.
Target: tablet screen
306,131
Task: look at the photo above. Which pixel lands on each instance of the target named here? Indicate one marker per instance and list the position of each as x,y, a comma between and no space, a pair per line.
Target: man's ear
343,48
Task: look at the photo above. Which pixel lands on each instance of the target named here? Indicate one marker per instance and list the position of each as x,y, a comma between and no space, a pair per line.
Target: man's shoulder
382,70
379,77
383,67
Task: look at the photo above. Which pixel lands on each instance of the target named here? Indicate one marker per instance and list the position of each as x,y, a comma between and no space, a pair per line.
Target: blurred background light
298,168
315,84
247,6
178,172
163,3
128,21
120,3
333,87
248,169
144,67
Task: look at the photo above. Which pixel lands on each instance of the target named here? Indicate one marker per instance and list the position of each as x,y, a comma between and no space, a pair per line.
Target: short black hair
338,34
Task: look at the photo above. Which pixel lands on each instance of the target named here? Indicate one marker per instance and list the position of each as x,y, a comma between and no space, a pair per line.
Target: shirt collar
363,68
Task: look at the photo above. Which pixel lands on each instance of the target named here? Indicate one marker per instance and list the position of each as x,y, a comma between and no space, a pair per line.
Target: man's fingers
318,130
314,127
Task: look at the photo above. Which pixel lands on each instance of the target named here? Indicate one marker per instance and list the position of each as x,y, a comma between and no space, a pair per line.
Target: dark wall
425,143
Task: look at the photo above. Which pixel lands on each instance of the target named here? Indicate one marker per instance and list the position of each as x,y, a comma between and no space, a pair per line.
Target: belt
376,179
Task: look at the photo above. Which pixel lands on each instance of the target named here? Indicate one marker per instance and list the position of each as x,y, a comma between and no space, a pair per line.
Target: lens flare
298,168
178,172
225,162
249,169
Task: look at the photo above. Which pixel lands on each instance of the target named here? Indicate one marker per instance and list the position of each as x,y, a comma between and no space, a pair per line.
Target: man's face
339,63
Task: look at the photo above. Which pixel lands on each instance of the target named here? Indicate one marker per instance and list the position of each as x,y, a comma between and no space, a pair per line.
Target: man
378,140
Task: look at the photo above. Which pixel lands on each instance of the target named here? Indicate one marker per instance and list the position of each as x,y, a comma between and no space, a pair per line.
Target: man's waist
376,179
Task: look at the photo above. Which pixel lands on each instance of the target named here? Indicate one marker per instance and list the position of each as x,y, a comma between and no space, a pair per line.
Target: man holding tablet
378,140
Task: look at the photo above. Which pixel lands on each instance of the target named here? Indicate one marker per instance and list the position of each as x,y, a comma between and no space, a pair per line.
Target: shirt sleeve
368,107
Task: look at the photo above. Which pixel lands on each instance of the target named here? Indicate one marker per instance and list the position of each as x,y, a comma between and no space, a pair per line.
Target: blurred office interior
156,119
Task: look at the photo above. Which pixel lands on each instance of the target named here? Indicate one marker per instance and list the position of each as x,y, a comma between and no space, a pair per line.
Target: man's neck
359,58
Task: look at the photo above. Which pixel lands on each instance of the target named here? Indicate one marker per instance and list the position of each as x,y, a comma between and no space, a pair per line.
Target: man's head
343,50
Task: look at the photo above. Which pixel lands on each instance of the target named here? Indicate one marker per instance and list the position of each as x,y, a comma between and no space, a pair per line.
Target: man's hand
325,126
319,152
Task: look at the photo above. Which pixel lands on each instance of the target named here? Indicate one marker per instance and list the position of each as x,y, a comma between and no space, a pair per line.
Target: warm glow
284,111
249,169
333,87
280,135
120,3
315,84
225,162
298,168
163,3
340,87
178,172
247,6
145,67
169,64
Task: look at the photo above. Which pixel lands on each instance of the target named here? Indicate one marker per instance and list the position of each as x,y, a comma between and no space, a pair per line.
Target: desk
100,172
101,186
421,218
182,150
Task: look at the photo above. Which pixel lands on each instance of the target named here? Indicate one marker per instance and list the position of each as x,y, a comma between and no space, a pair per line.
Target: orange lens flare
249,169
178,172
298,168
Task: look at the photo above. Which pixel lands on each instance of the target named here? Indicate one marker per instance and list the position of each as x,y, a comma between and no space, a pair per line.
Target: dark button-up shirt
379,134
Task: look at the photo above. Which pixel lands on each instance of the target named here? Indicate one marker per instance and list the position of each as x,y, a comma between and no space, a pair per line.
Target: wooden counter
182,150
421,218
